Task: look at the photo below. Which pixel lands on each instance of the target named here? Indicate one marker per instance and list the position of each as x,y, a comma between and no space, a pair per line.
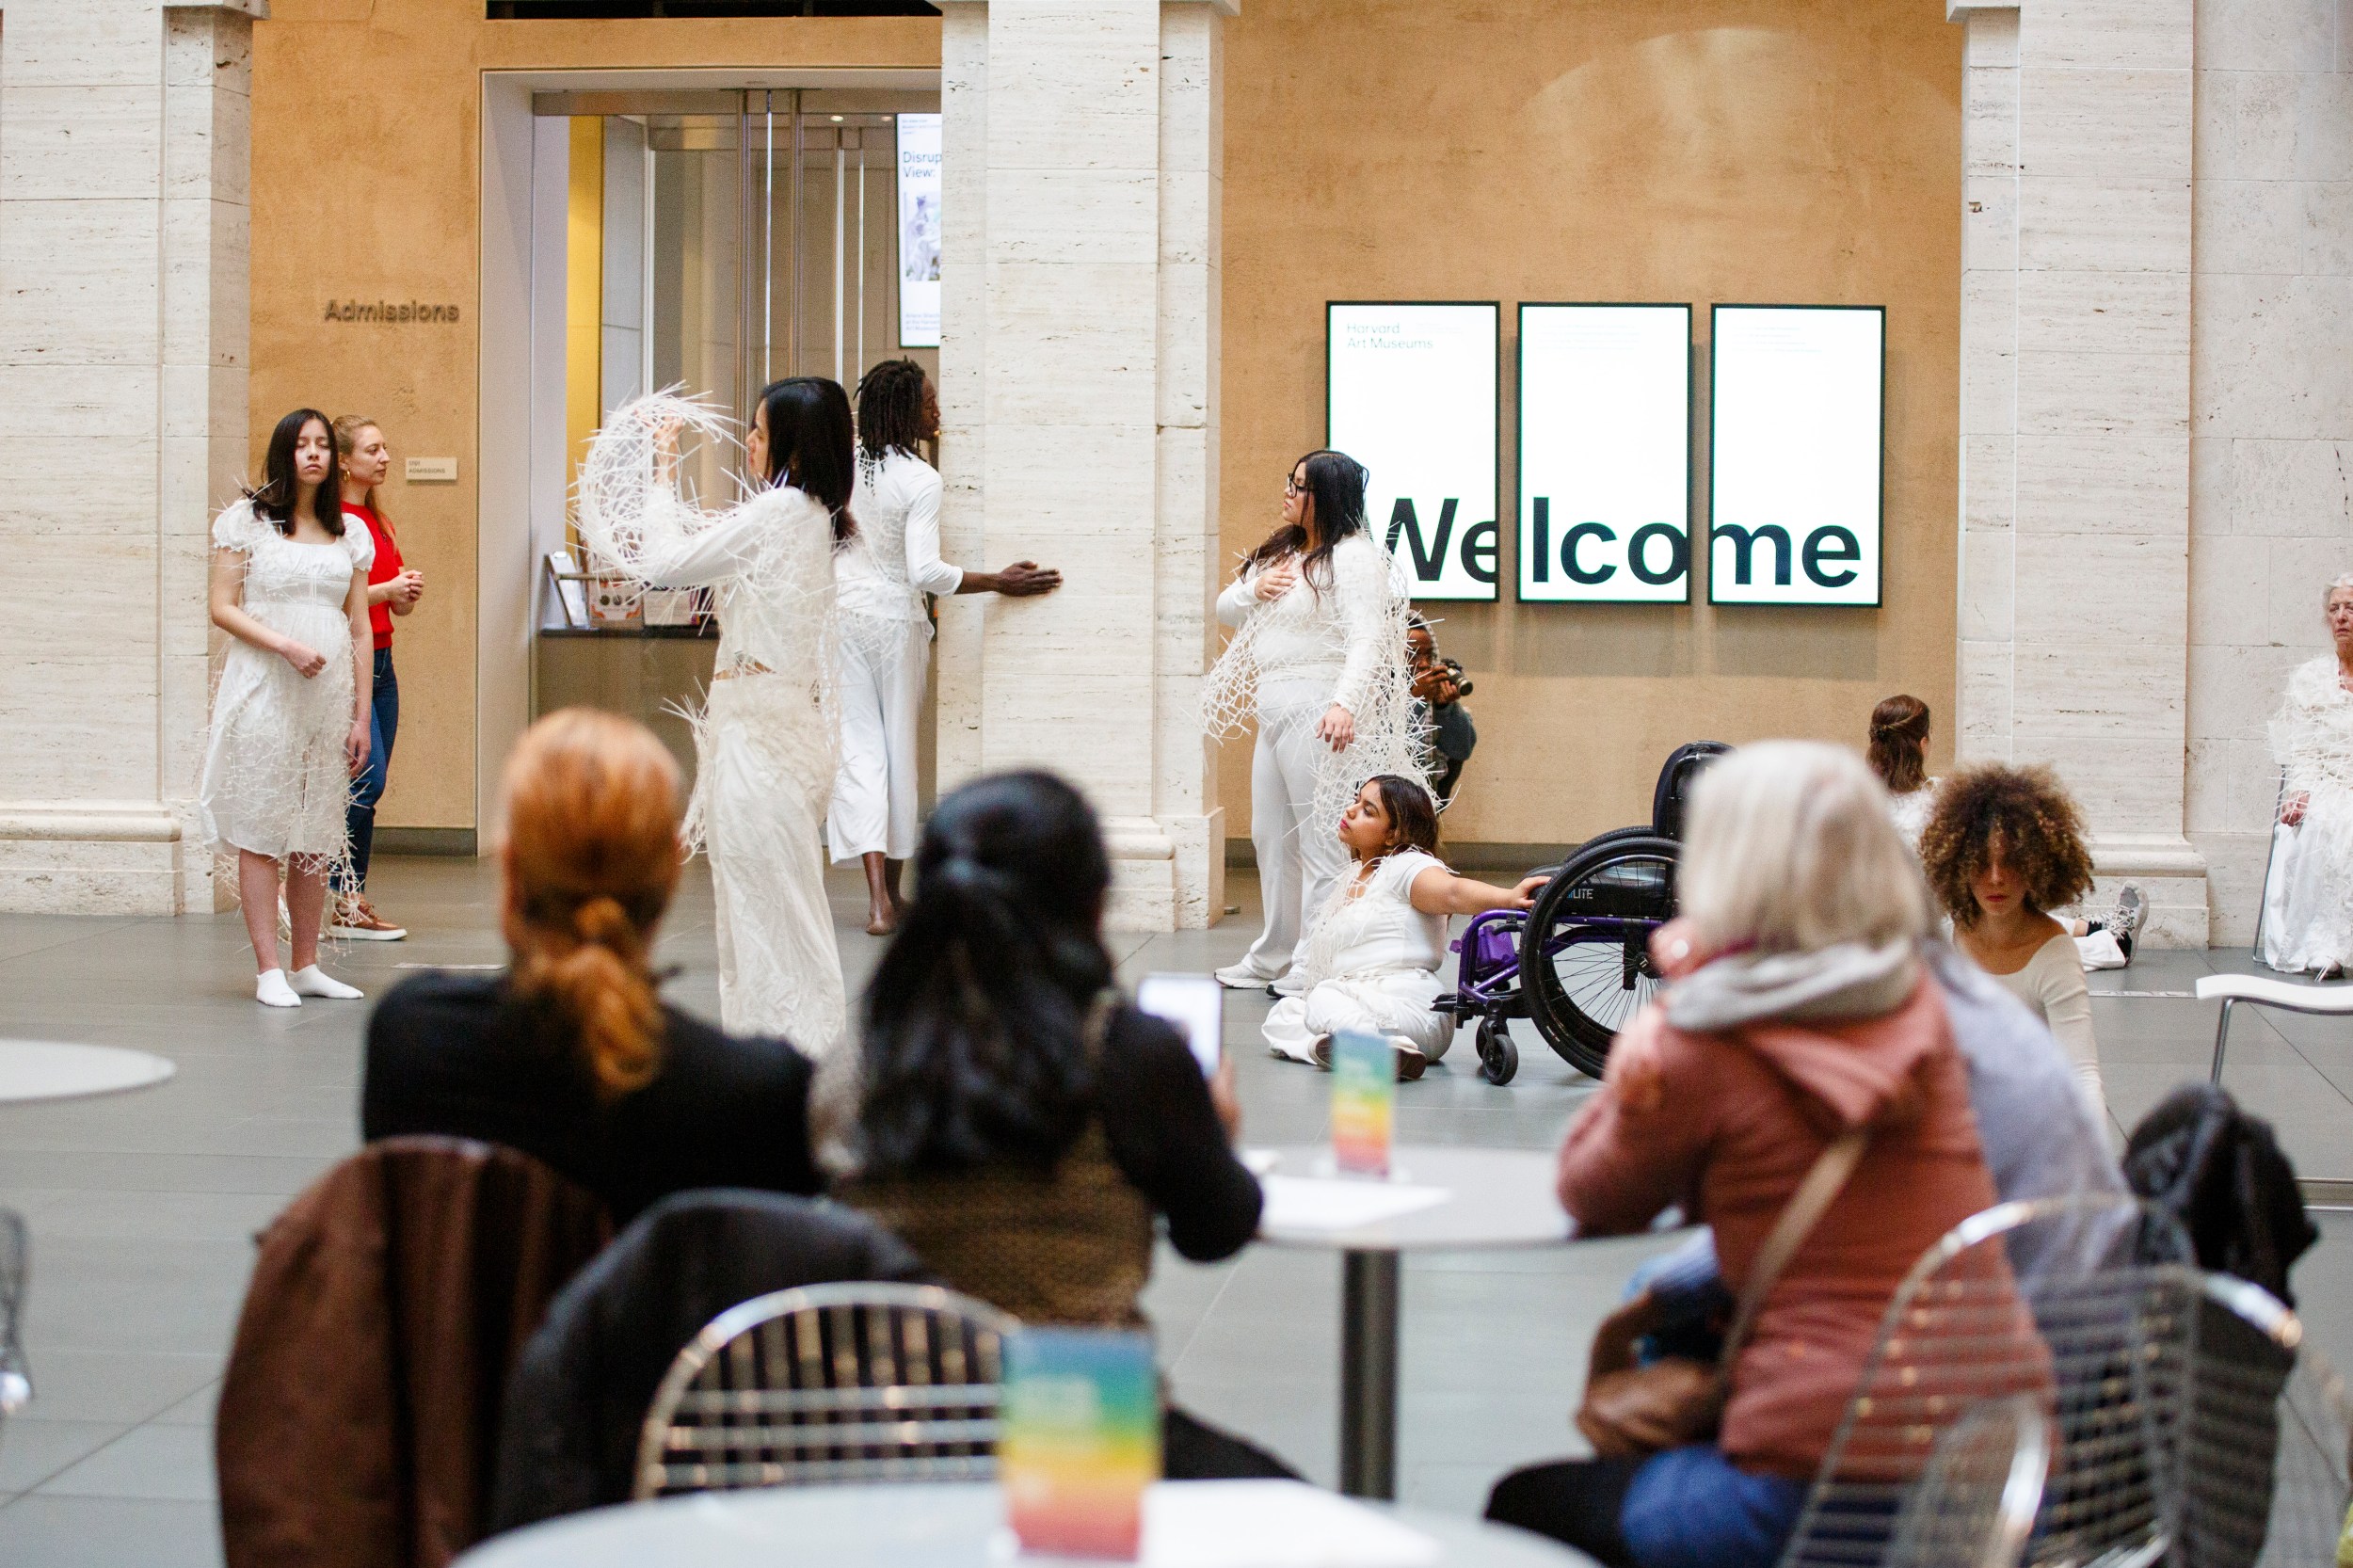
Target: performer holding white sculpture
1319,660
2308,898
766,744
886,632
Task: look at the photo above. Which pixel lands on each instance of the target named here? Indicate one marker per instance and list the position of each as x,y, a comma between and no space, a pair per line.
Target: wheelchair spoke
1592,973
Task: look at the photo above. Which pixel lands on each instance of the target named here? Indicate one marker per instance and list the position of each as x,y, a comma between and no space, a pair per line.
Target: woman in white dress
1373,959
2308,897
887,630
289,714
765,742
1320,661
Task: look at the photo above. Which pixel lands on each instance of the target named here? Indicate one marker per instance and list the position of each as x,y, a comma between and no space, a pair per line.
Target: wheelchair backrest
1672,799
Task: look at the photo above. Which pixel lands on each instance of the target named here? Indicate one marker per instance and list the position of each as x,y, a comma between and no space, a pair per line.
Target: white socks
279,989
315,982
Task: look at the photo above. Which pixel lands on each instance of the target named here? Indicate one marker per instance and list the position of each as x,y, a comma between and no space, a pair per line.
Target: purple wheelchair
1579,962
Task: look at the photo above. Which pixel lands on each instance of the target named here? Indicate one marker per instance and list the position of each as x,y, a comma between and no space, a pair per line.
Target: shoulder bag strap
1806,1209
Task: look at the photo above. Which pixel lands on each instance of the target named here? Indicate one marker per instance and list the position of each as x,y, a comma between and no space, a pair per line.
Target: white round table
1492,1198
51,1070
961,1524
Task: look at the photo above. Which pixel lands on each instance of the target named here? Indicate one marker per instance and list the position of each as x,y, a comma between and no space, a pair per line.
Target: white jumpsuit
881,579
2308,898
1371,968
765,741
1323,642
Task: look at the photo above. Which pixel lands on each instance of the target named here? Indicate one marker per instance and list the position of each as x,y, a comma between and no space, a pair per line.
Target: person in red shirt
393,588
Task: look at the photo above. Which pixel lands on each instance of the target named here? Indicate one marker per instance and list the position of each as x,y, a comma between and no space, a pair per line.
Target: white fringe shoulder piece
1358,623
2311,735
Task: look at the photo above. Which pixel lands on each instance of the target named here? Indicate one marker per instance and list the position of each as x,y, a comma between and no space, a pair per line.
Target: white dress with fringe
1371,968
275,779
766,742
2308,898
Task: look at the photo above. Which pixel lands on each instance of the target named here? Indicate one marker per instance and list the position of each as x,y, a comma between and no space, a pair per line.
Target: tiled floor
142,1206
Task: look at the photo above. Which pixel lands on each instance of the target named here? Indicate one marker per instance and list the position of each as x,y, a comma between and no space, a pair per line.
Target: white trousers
1300,859
884,664
1395,1005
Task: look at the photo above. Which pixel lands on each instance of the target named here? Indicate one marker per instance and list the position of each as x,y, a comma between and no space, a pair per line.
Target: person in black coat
568,1055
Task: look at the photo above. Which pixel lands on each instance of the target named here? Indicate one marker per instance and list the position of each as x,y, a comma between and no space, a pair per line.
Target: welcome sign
1412,395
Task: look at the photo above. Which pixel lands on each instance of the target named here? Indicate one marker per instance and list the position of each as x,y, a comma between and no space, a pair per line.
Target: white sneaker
1293,984
1241,977
315,982
271,990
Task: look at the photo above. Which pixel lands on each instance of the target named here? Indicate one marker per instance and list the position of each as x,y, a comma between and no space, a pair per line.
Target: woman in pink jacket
1798,1010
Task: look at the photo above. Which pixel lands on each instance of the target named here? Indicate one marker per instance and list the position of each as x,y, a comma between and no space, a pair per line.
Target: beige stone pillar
1078,362
123,244
2076,349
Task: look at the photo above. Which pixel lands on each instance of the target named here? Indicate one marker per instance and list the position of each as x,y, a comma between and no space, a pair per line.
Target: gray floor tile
109,1532
158,1462
32,1450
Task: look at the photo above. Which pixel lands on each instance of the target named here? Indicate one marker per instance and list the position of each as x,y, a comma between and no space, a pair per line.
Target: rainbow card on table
1080,1440
1364,1103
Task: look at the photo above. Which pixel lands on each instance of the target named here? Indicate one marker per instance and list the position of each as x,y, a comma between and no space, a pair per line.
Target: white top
1911,811
1319,641
1378,930
2311,735
894,560
2052,986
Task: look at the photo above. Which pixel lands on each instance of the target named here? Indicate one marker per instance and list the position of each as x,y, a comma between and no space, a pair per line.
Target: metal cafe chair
16,1376
861,1382
2260,992
1975,1504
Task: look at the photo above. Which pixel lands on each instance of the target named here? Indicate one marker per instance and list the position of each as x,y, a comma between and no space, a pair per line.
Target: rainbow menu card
1080,1440
1364,1103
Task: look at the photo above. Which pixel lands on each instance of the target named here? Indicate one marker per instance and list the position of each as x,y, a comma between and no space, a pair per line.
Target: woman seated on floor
1009,1116
1799,1026
568,1054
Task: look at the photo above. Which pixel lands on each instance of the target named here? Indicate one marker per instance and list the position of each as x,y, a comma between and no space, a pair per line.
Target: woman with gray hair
1797,1087
2308,896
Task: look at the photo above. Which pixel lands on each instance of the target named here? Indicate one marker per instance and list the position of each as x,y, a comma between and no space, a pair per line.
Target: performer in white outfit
1373,957
765,743
887,630
290,715
1321,661
2308,897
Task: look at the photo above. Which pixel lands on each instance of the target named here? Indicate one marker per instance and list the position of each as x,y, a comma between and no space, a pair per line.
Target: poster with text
1605,494
1412,396
1793,514
919,230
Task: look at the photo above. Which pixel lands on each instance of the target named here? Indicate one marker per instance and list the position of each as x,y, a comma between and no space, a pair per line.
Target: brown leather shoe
357,921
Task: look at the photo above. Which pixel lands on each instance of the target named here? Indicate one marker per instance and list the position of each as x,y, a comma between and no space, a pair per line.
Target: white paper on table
1307,1203
1280,1524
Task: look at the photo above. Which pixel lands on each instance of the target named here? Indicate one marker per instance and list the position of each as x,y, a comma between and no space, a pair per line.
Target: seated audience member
1439,688
2308,891
2004,845
1014,1122
568,1054
1798,1019
1373,957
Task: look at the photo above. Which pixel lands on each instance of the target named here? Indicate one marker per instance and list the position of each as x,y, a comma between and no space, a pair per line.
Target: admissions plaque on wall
1412,395
1795,505
1605,494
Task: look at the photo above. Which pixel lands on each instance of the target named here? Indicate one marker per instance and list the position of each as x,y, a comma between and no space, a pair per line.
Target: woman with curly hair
2003,848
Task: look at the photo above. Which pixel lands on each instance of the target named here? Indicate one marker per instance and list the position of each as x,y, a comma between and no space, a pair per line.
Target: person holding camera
1439,687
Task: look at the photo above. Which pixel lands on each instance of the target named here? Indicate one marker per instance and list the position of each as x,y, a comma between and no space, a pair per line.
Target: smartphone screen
1195,1003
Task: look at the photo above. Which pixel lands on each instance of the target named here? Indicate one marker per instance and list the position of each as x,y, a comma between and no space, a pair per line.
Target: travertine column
1079,384
2076,349
124,246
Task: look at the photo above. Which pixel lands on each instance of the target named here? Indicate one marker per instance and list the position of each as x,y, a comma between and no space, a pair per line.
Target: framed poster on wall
1605,492
1795,484
919,230
1411,393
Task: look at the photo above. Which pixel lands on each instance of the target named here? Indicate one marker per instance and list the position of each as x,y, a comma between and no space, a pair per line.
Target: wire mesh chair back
16,1377
1975,1502
864,1381
2172,1409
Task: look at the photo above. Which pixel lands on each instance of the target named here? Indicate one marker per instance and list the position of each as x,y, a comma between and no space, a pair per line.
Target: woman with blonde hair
393,589
569,1054
1800,1032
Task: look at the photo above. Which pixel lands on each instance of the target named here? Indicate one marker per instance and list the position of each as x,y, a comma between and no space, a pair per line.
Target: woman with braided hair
887,630
568,1055
1898,753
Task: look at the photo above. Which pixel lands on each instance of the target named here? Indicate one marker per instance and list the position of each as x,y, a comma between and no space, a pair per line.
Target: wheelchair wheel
1498,1058
1585,954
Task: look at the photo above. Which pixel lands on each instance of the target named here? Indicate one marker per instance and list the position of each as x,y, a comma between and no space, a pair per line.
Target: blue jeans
366,790
1687,1508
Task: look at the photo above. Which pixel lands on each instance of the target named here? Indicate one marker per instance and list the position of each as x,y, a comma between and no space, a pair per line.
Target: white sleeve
717,553
2067,1008
238,529
635,520
1360,591
925,569
359,540
1240,598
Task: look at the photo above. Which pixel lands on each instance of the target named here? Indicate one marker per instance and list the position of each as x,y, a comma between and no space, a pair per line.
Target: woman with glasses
1318,661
